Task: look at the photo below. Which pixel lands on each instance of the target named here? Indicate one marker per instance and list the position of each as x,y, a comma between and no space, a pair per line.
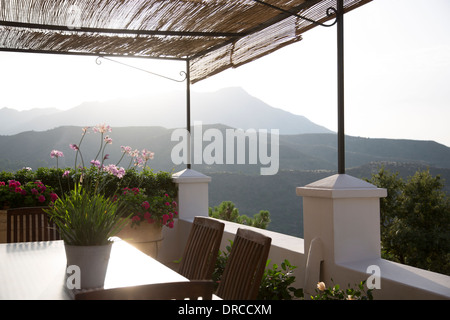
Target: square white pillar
192,193
344,212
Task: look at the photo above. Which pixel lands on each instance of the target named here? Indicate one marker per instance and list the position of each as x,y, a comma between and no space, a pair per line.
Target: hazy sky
397,74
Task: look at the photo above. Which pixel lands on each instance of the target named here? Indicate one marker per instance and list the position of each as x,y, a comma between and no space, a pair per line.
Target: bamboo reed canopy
212,35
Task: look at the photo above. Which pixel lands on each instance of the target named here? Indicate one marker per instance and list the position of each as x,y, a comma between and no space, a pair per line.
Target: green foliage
415,219
153,183
227,211
159,209
221,262
277,284
85,219
13,194
336,293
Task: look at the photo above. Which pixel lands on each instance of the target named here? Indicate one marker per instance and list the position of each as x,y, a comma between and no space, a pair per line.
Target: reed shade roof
212,35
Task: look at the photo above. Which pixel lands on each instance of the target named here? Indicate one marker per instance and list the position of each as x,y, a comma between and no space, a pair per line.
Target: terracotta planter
92,262
147,237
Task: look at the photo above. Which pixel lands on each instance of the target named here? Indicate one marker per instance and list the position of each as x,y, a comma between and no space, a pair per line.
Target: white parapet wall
341,218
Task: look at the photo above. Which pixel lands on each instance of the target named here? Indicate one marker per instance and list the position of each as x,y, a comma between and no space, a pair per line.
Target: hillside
252,193
303,159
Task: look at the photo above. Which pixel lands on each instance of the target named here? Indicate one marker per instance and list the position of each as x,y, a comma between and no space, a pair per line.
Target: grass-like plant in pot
85,219
86,216
86,222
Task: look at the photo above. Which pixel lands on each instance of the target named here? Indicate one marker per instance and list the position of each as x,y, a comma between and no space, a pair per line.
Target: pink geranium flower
53,197
145,205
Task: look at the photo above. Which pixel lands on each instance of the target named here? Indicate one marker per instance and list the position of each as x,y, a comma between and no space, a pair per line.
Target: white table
37,270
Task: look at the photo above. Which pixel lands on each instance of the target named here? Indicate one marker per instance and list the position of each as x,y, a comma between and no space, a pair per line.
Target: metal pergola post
340,83
188,113
339,21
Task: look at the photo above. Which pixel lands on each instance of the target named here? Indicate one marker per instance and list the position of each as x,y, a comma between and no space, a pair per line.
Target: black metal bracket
182,73
330,12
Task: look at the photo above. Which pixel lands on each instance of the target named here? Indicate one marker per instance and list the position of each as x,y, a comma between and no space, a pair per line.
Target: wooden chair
29,224
245,266
202,248
191,290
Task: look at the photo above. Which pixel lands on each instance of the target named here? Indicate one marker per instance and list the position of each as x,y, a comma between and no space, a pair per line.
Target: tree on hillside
228,211
415,220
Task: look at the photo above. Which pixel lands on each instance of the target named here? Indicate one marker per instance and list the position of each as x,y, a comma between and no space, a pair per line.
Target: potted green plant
86,217
86,222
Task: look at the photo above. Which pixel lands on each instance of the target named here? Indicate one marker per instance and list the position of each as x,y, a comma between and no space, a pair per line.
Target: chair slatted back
28,225
245,266
192,290
200,254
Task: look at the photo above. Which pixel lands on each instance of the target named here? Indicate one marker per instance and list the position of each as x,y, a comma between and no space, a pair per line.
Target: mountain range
233,107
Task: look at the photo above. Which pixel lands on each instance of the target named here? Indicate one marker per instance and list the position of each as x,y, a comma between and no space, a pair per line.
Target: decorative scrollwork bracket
330,12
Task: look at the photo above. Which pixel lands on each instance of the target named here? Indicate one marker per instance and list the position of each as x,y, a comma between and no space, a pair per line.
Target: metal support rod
188,112
340,82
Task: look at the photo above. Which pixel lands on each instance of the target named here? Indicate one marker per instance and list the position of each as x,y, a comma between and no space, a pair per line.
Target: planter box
146,237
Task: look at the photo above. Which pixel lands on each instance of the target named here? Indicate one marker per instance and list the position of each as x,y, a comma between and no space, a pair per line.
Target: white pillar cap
341,186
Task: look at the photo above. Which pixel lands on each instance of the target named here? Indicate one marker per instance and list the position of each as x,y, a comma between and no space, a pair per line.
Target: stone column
192,201
342,212
192,193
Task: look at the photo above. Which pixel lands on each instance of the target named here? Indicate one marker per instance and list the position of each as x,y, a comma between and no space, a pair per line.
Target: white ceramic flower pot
92,262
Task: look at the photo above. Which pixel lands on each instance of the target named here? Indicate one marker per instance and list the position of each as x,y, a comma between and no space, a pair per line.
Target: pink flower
34,191
107,140
102,128
2,183
145,205
170,224
135,218
148,217
53,197
18,189
165,218
56,154
147,155
41,198
66,174
126,149
74,147
13,184
114,170
95,163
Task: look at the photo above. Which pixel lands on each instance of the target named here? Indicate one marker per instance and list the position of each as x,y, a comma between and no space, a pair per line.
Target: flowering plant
96,177
88,215
32,194
159,209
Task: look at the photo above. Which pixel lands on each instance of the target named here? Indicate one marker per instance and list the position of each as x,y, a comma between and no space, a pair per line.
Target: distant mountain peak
231,106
